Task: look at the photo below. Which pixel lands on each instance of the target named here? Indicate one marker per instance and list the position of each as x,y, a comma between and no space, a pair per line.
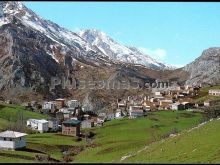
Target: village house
119,114
189,88
73,103
11,140
101,119
60,103
110,116
71,127
177,106
39,125
214,92
87,123
165,101
165,105
53,124
187,105
157,93
159,98
87,109
198,105
66,113
47,106
122,104
136,111
60,116
146,108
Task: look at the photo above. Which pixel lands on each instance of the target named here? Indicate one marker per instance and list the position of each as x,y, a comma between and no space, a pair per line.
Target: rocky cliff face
205,69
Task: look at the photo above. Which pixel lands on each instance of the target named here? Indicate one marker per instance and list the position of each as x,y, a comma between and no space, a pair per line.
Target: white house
49,105
214,92
39,125
157,94
136,111
118,114
87,108
12,140
177,106
73,103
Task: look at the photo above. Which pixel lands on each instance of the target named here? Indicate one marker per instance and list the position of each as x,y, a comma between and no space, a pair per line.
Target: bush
78,139
67,158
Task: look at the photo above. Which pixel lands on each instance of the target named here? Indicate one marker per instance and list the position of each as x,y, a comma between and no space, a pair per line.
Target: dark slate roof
71,122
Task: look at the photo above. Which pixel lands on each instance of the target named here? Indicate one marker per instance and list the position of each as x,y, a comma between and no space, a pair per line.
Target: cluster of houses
70,116
179,98
67,116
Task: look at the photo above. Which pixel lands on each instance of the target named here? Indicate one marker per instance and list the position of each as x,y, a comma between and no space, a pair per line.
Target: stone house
71,127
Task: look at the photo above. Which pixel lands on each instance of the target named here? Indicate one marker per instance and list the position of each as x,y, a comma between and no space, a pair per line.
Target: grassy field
10,113
120,137
198,146
52,143
115,139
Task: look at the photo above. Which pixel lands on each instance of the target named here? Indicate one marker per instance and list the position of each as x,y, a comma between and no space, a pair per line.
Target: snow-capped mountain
119,52
88,44
67,40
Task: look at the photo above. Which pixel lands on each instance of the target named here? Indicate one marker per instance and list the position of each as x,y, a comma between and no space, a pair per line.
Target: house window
4,139
10,139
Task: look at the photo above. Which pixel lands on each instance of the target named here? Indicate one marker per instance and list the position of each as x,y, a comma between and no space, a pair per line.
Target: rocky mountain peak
205,69
119,52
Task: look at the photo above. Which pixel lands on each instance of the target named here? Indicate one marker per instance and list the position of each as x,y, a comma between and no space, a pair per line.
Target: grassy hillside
120,137
10,113
204,94
111,142
200,145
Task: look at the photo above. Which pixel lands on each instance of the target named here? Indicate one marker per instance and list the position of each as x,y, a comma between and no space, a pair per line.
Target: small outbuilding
11,140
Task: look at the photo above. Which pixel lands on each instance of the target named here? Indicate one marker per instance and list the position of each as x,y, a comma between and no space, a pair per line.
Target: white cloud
158,53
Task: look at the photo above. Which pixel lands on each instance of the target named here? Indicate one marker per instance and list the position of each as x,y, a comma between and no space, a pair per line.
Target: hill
110,142
121,137
200,145
9,115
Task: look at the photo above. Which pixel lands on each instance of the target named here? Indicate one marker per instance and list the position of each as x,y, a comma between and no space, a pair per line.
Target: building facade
39,125
214,92
71,127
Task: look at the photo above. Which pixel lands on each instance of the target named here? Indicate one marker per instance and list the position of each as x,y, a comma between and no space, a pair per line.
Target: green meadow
119,138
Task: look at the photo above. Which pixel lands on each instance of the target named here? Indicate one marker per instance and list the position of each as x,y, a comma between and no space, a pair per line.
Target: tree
213,111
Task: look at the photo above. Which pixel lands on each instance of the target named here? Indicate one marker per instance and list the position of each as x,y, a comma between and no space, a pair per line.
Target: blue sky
175,33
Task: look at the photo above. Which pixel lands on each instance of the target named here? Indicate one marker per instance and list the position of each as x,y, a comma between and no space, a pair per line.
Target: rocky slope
205,69
34,50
